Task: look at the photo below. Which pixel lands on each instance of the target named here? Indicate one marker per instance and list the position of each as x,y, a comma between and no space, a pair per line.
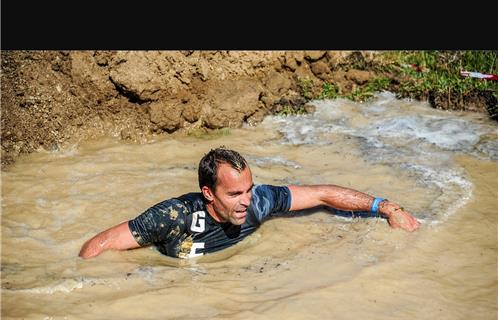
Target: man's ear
208,193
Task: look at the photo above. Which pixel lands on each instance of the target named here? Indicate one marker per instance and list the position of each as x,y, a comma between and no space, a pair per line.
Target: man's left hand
398,217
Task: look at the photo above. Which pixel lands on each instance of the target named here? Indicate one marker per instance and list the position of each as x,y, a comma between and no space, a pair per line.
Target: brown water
314,265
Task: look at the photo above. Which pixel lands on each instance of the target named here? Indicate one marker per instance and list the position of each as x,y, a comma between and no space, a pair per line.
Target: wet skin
232,195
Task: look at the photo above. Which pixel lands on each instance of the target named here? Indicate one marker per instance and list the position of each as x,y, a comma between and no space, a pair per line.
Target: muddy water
316,264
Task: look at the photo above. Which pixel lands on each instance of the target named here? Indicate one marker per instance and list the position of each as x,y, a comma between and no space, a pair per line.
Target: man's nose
246,199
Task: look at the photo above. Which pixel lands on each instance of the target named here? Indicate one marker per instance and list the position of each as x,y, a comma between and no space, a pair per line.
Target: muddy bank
51,99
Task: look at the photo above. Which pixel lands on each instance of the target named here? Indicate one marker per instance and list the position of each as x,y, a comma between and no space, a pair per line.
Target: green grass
329,91
305,87
289,110
440,72
364,93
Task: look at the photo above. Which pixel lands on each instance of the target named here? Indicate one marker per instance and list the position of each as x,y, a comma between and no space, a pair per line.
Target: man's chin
238,221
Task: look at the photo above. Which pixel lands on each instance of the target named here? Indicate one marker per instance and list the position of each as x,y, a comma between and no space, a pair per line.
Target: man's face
233,194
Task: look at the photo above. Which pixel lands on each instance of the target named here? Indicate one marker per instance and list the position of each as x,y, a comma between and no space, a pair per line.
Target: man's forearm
331,195
347,199
304,197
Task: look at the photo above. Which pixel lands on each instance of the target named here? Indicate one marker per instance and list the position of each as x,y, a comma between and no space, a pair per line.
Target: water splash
402,134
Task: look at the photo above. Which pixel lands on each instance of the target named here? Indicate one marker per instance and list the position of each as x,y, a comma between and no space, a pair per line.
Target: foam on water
419,140
488,149
450,134
148,274
271,161
62,285
457,190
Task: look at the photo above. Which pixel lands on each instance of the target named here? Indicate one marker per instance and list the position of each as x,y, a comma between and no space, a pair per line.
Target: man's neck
213,214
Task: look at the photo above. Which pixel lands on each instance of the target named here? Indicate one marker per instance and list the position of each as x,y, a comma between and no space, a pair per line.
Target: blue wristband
375,205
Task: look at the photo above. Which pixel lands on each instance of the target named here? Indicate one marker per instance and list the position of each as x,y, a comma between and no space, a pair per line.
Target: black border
156,25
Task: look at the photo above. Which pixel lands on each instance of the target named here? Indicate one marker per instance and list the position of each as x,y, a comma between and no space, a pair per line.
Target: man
228,209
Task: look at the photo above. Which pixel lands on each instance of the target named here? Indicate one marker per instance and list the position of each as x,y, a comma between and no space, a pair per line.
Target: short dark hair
208,166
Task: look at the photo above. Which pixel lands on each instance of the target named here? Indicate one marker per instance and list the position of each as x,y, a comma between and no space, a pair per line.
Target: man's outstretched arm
304,197
118,237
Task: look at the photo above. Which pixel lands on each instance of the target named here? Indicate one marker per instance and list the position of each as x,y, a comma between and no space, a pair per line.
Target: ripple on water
419,140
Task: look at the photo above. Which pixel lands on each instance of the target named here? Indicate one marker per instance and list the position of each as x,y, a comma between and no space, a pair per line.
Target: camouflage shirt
181,227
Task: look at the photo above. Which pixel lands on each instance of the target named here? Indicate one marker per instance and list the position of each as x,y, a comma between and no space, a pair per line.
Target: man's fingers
404,221
413,224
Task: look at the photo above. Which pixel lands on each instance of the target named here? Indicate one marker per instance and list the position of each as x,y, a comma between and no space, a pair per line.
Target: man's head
226,183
